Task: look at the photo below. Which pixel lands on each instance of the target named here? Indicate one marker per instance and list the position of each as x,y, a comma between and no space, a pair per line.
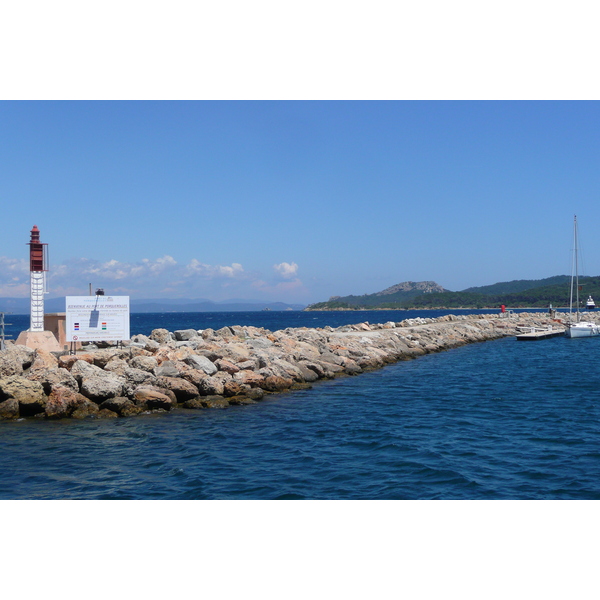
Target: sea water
493,420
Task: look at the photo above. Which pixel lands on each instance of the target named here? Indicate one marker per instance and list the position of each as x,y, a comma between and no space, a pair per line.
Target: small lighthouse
36,337
38,266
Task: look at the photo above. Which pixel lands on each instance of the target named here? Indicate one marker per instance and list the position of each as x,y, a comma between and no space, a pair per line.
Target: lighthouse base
39,340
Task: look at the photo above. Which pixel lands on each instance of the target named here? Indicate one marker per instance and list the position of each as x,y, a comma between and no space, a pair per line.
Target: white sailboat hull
578,329
582,329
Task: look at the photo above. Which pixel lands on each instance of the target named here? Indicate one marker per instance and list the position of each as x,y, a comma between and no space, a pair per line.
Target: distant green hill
402,292
513,294
518,285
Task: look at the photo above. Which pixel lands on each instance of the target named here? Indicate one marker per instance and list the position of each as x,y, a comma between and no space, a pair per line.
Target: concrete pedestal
39,340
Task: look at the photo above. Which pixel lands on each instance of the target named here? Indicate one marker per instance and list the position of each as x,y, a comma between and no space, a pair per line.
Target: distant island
521,293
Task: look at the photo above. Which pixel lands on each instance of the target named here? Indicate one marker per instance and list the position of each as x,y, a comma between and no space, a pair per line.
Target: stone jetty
200,369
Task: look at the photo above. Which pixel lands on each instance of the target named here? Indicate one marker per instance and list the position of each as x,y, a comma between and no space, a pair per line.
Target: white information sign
97,318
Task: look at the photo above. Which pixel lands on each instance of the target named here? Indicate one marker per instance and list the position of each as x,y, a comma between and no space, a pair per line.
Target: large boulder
154,398
226,365
183,390
195,403
248,365
167,368
100,388
289,370
135,377
308,375
145,363
29,394
124,407
145,342
52,378
116,366
233,388
194,376
248,378
276,384
162,336
44,360
215,402
68,360
211,386
87,409
238,352
14,359
82,369
63,401
183,335
202,363
9,409
103,357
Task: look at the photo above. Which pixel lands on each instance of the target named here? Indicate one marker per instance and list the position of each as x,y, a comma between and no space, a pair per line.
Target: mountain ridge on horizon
57,304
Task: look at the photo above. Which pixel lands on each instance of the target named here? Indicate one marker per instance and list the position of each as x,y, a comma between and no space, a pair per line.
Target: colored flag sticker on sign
103,326
76,326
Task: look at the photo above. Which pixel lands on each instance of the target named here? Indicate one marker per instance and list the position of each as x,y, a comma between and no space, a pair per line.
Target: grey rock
202,363
260,343
211,386
100,388
167,369
82,369
248,365
184,335
162,336
103,357
15,358
145,363
116,366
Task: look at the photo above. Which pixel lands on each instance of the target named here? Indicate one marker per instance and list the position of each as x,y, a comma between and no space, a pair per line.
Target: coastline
199,369
432,308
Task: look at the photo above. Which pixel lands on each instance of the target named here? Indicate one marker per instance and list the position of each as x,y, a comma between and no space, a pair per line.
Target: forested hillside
513,294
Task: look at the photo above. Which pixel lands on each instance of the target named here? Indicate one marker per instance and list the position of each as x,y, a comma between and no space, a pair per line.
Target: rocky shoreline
198,369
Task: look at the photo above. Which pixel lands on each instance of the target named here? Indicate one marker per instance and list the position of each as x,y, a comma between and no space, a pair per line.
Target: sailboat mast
573,264
575,270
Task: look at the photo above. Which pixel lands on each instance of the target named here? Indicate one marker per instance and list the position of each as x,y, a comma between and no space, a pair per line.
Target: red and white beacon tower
38,266
35,337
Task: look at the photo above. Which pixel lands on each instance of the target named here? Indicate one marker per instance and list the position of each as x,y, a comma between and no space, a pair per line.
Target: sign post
97,318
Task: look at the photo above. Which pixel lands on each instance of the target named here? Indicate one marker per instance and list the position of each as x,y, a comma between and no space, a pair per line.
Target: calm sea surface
497,420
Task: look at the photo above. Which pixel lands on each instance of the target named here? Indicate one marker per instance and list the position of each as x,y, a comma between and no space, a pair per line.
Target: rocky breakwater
214,369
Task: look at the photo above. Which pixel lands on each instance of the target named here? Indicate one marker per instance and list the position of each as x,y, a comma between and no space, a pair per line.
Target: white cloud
286,270
15,268
196,268
160,264
162,276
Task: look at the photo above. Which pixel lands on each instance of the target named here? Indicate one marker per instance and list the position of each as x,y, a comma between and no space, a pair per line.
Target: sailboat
577,328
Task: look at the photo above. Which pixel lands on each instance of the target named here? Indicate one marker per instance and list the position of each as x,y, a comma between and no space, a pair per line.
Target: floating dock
539,334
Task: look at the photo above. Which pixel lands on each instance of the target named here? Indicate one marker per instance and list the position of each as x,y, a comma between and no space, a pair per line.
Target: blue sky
295,201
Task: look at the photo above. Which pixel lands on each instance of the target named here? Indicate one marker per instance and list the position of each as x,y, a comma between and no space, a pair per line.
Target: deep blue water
272,320
496,420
